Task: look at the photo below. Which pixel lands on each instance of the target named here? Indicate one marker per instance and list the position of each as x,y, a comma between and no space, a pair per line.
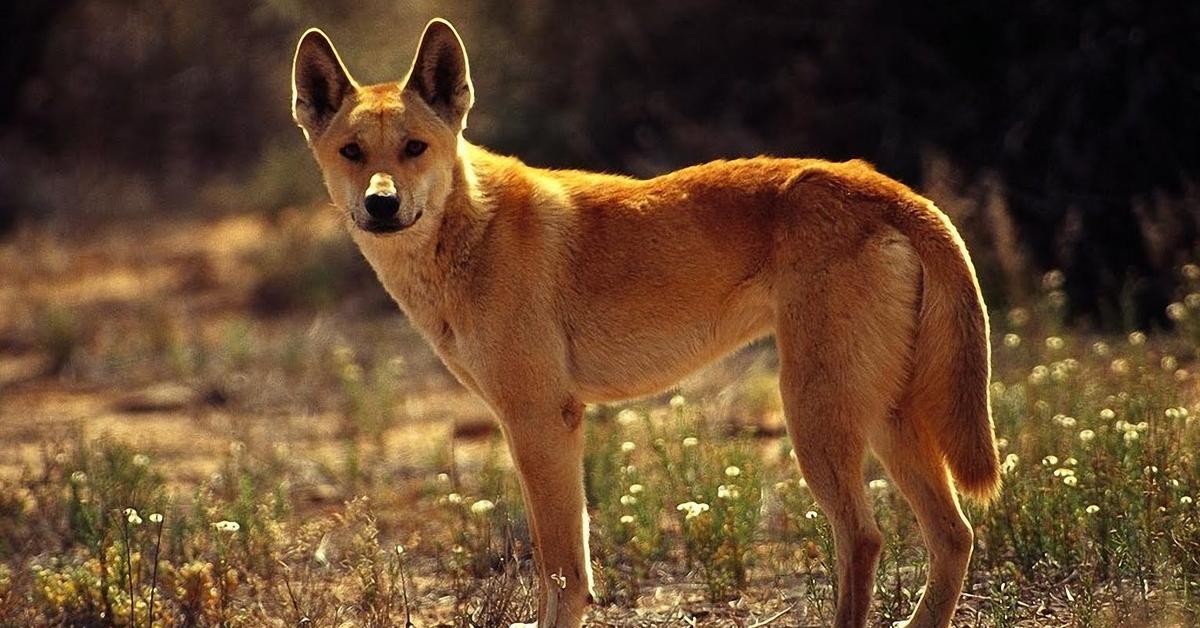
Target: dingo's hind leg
917,470
844,334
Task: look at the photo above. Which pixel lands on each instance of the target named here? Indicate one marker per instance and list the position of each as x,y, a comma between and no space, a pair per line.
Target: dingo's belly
625,350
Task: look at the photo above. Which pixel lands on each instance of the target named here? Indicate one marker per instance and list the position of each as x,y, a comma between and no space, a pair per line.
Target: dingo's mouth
388,226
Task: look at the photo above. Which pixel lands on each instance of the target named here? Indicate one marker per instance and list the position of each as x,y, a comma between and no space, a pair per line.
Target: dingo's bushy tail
952,361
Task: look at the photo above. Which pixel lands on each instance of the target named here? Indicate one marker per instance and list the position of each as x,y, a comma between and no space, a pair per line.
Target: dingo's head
388,152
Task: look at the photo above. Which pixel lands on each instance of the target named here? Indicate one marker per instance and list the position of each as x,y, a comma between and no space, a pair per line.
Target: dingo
543,290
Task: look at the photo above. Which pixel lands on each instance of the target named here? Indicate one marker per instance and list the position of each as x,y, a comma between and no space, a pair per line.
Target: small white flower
454,498
482,507
627,519
628,500
1053,280
399,549
78,477
1070,480
132,517
634,489
141,460
728,492
1107,414
692,509
627,447
1038,375
1119,366
812,514
443,478
878,484
1186,500
677,402
227,526
1168,363
1176,311
1054,343
1009,464
1137,339
732,471
1092,509
691,441
1131,436
627,417
1087,436
155,517
1063,472
1012,341
1050,460
1101,349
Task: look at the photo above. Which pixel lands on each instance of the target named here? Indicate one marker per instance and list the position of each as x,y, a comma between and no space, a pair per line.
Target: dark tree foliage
1084,113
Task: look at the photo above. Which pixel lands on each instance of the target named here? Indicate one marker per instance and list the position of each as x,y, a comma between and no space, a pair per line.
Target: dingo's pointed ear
440,74
319,83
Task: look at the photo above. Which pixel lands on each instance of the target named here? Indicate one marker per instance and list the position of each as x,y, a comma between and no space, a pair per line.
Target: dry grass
135,374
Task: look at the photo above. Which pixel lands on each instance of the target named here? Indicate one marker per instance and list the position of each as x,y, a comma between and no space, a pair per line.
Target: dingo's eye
414,148
351,151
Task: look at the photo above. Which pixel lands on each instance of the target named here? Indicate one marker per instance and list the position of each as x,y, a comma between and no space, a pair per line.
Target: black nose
382,207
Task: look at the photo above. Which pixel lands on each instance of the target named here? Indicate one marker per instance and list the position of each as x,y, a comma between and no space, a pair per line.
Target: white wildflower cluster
1012,341
1064,421
627,417
1053,280
728,491
1168,363
482,507
1018,317
132,517
1131,432
1010,464
1067,475
227,526
692,510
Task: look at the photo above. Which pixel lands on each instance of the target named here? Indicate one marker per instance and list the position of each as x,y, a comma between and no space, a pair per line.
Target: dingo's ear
440,74
319,83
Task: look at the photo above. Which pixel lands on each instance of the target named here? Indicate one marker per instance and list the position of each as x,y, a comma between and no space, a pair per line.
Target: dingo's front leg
546,442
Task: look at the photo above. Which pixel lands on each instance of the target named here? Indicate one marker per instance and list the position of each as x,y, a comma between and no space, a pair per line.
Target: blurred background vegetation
1059,135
